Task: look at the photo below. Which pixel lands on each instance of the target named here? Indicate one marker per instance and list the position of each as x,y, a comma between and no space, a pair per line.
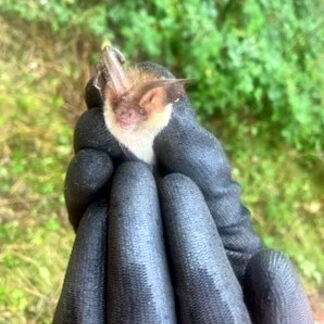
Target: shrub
254,60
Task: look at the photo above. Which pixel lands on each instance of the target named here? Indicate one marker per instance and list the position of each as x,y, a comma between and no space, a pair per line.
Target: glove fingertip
274,292
92,96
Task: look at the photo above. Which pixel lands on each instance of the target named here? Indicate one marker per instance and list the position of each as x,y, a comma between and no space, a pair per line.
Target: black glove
163,250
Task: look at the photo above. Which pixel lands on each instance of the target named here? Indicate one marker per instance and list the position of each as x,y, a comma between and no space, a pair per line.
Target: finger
139,285
83,297
87,177
274,292
185,147
207,290
93,96
91,132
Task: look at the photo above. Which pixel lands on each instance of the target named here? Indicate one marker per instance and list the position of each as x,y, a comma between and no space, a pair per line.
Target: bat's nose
126,118
127,113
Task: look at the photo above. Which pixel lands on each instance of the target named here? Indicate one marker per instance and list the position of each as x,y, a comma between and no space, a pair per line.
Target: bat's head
137,99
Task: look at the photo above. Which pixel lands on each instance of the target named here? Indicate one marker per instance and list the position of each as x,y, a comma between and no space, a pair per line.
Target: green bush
259,60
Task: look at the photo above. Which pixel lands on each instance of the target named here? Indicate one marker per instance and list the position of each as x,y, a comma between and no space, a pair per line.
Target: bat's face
128,114
137,99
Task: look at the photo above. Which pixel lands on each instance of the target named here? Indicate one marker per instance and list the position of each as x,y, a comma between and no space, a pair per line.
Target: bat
137,104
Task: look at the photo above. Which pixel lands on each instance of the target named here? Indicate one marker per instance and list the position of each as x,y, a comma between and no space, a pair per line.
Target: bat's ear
113,63
156,95
100,81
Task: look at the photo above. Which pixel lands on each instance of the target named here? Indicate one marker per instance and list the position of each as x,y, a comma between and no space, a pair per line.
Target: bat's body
137,104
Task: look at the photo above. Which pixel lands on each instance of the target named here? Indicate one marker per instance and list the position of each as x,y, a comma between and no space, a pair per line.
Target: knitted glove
176,249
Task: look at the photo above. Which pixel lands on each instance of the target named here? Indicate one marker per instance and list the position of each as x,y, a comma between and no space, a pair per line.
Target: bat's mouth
126,124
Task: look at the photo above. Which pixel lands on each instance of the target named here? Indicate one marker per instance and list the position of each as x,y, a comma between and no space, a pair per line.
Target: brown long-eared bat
137,104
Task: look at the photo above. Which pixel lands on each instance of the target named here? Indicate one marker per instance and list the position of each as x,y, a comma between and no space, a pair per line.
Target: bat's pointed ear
99,82
157,94
113,63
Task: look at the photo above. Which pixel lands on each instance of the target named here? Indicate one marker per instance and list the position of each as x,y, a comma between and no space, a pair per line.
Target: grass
280,187
35,240
285,199
31,273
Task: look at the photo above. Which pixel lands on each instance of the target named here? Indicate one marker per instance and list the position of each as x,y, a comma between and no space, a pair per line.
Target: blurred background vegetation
258,82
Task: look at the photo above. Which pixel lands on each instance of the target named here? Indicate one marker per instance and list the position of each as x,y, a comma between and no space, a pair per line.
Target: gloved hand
177,248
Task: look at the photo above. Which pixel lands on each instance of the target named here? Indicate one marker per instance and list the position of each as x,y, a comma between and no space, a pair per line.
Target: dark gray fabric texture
139,284
87,176
205,283
93,97
91,132
274,292
83,297
133,272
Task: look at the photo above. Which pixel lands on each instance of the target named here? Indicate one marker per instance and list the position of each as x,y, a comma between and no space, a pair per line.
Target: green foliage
31,271
257,59
35,147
